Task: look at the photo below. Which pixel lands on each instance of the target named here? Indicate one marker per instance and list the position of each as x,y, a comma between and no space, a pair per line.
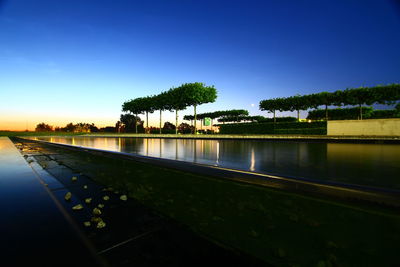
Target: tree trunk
298,115
160,120
176,121
360,112
195,120
136,123
274,117
326,112
147,122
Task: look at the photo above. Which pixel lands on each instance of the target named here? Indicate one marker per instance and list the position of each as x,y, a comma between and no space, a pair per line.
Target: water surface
367,164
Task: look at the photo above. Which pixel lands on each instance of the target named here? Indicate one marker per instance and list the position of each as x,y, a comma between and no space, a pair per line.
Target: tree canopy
176,98
383,94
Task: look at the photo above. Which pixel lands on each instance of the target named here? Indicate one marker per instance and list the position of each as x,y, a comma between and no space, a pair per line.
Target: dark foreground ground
122,232
184,218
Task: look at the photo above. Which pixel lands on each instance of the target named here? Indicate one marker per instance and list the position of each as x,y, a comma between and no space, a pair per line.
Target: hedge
340,113
277,128
279,119
384,114
318,131
352,114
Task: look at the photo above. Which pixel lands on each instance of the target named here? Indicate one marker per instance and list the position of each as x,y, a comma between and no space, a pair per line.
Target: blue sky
77,60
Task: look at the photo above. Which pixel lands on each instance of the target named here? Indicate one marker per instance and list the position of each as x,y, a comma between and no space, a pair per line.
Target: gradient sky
78,61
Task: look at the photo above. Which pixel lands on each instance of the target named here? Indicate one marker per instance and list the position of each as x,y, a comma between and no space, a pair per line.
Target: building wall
382,127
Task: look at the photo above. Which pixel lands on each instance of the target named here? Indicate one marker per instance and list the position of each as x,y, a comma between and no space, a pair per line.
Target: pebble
96,212
100,206
77,207
123,197
87,224
74,179
101,224
96,219
88,200
68,196
106,198
85,187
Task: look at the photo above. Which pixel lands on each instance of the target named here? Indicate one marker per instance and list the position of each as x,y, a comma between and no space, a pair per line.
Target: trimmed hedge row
311,131
352,114
385,114
279,119
277,128
339,113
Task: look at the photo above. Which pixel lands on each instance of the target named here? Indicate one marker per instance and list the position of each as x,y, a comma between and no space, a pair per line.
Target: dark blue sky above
87,57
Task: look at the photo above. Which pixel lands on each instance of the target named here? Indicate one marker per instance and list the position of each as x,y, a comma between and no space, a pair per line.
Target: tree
271,105
70,127
323,98
295,103
176,101
189,118
196,94
130,122
147,105
169,126
185,128
359,96
43,127
160,102
135,107
93,128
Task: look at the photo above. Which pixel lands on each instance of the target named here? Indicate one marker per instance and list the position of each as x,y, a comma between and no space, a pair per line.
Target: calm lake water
367,164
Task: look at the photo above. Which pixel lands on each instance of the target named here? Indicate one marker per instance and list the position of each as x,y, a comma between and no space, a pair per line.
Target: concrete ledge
375,127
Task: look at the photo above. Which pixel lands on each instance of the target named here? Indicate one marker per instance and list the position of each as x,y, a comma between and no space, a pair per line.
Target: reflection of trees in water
375,164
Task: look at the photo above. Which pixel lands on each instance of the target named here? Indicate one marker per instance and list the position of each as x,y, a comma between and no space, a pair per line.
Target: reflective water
368,164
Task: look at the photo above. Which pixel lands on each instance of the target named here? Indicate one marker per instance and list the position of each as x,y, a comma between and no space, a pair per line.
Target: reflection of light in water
217,153
176,149
73,141
252,160
119,144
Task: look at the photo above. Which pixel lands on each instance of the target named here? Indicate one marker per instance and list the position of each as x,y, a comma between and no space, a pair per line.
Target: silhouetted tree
70,127
185,128
169,126
134,107
43,127
131,123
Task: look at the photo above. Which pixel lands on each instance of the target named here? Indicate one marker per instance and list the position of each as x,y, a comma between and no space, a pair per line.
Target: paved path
33,229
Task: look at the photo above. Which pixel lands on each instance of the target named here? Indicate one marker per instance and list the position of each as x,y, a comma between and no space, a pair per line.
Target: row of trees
388,95
226,115
175,99
70,127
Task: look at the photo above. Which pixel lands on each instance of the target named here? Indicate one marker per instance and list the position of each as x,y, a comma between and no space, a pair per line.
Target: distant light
252,105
